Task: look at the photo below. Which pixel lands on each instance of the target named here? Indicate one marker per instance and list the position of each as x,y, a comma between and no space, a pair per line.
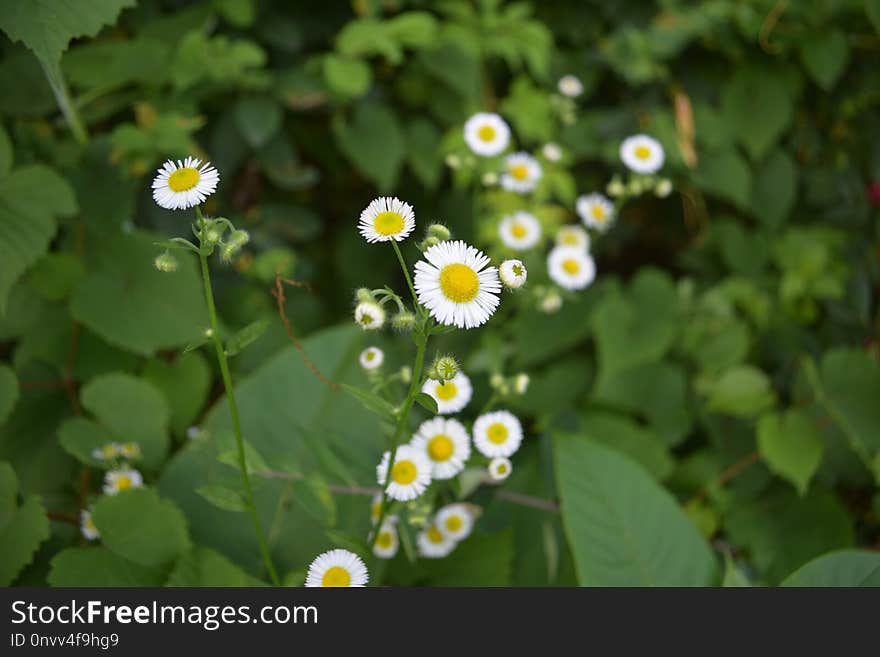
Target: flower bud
406,374
444,368
496,381
489,179
403,322
615,188
521,383
453,161
363,295
369,315
166,262
663,188
513,273
439,231
428,242
551,302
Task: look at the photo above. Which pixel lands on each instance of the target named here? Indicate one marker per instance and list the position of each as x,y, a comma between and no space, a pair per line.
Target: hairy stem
62,97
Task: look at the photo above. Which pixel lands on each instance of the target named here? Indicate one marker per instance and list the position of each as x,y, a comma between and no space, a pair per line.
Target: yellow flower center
571,266
454,523
518,270
501,468
183,179
388,223
643,152
569,239
598,212
366,319
370,355
123,482
446,391
90,525
376,509
336,576
385,540
486,133
109,451
519,171
440,447
459,283
434,535
497,433
519,231
404,472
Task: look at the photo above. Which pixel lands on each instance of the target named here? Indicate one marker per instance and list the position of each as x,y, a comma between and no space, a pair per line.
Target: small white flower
371,358
337,568
376,510
386,218
130,450
570,86
434,544
521,173
106,452
369,315
498,433
521,383
446,444
455,520
595,210
663,188
573,236
519,231
642,154
387,542
457,285
571,268
500,469
452,395
87,526
513,273
486,134
116,481
550,303
551,152
410,474
185,184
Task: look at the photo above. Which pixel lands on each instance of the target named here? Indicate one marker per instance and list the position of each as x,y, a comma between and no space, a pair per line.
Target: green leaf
791,446
98,566
775,188
223,497
47,26
733,576
847,568
55,275
133,306
872,10
203,566
185,383
373,402
365,37
347,77
131,410
414,29
31,198
228,453
623,529
6,154
258,119
620,433
757,92
825,56
422,151
725,174
374,143
110,63
485,560
8,392
313,495
138,526
427,402
742,390
246,336
22,528
80,437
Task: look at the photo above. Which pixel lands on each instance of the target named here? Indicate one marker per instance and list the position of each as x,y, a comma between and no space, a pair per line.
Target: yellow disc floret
183,179
459,283
388,223
440,447
336,576
497,433
404,472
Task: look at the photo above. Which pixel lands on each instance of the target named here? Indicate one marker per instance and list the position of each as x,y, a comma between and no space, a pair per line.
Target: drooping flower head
371,358
570,86
486,134
387,218
571,268
595,210
513,273
455,520
521,173
184,184
500,468
642,154
410,474
452,395
519,231
498,433
337,568
446,444
369,315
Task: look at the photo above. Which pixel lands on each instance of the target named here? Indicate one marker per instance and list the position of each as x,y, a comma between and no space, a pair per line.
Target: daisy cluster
119,477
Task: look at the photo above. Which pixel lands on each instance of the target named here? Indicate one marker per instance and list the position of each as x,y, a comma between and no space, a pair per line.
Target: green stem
236,424
62,97
405,272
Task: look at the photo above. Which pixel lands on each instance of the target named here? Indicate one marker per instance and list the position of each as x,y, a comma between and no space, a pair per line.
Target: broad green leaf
413,29
350,78
372,402
131,410
530,110
109,63
228,453
479,560
240,13
31,198
742,390
621,434
427,402
133,306
8,392
185,383
775,188
246,336
791,446
623,529
757,92
843,568
825,56
733,576
22,528
138,526
373,141
313,495
55,275
203,566
98,566
223,497
725,174
80,437
422,151
6,154
872,10
365,37
258,119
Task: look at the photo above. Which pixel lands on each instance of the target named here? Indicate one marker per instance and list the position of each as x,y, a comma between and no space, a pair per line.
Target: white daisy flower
550,302
369,315
87,526
434,544
486,134
642,154
452,395
498,433
106,452
571,268
130,450
595,210
185,184
387,542
551,152
446,444
519,231
455,520
570,86
337,568
513,273
521,173
457,284
371,358
500,469
386,218
116,481
410,474
573,236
